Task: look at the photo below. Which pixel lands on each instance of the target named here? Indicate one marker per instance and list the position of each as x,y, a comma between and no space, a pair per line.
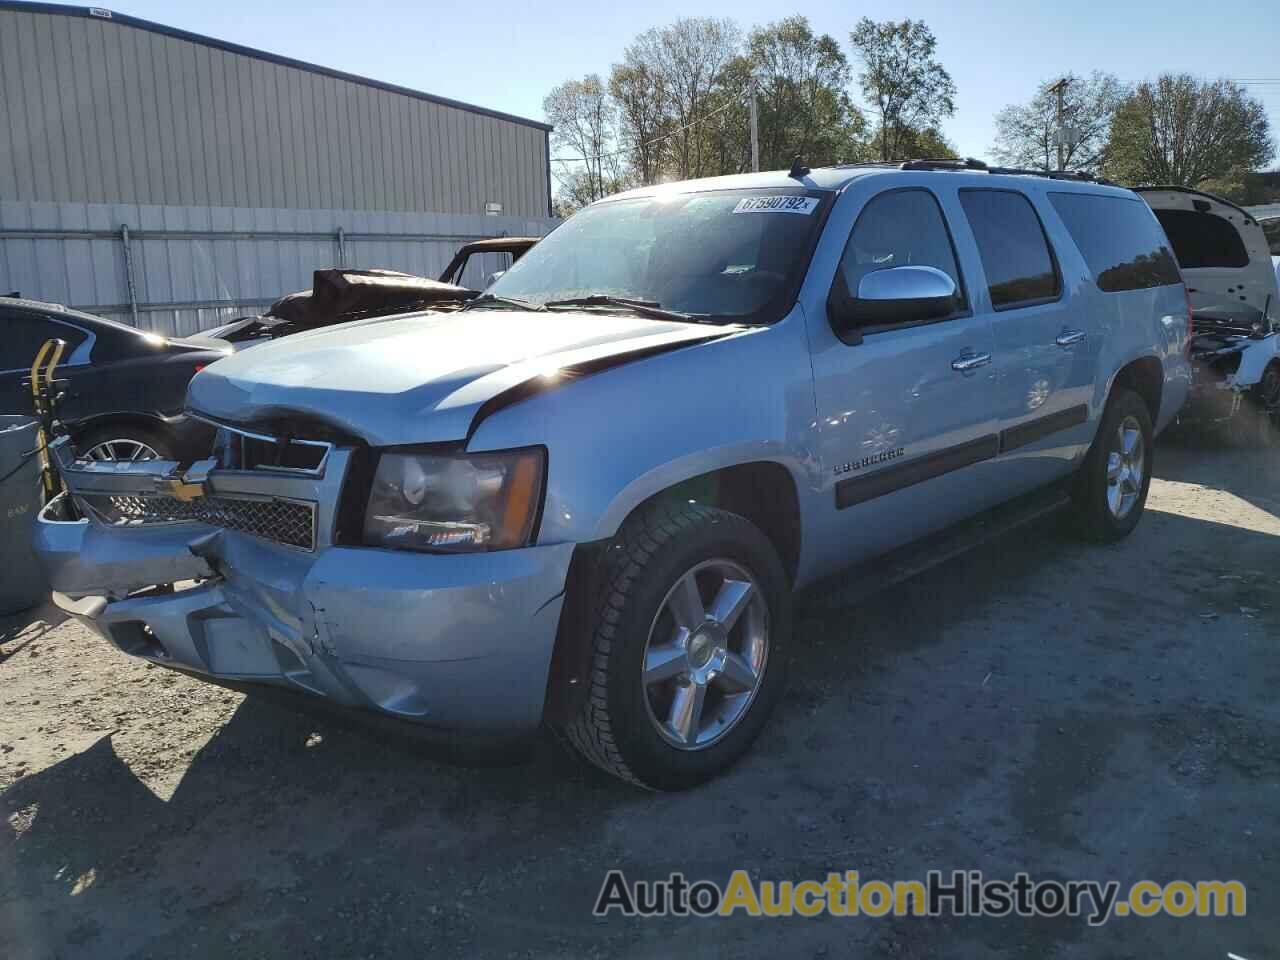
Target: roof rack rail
842,164
1051,174
943,163
977,166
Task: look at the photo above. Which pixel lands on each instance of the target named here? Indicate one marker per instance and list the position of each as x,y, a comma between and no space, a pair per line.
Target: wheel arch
99,421
764,492
1144,376
187,437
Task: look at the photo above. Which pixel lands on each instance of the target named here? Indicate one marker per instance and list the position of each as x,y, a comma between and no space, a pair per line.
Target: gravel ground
1036,705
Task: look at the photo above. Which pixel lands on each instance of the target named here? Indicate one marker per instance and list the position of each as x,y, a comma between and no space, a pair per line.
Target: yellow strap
52,350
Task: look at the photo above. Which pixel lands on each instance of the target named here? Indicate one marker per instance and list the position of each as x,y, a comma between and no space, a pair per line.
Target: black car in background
122,390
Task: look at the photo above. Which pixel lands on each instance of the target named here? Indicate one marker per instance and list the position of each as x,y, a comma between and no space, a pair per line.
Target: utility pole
1060,134
755,129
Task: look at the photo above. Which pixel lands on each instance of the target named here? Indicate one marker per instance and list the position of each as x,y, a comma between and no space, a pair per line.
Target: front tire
691,638
1111,490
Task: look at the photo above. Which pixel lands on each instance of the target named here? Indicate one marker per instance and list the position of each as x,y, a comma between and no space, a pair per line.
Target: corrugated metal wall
196,267
233,171
101,111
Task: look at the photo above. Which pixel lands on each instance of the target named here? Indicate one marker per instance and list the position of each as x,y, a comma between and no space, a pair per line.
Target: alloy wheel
706,654
1126,464
121,451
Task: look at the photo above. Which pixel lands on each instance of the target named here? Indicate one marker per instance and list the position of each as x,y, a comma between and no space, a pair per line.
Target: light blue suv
586,499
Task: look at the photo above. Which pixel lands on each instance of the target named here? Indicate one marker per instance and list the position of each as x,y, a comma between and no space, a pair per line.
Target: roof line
100,13
1174,188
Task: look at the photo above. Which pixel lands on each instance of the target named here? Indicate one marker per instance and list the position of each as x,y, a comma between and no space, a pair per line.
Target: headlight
455,503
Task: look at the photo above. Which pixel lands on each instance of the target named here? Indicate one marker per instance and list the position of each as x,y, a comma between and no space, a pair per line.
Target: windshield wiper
649,308
486,299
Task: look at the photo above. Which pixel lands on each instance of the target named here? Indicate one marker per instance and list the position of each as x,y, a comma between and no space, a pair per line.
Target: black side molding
1037,429
857,490
861,489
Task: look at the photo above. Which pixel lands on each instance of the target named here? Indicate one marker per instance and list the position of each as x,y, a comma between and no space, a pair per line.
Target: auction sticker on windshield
777,204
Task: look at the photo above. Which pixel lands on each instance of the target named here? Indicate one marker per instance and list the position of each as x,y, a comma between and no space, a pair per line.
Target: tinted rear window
1203,240
1011,242
23,334
1120,240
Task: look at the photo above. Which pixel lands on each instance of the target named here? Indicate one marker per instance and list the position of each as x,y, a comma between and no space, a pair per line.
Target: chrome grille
291,522
238,449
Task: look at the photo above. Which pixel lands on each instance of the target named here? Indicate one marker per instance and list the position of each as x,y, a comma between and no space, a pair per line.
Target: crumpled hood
418,378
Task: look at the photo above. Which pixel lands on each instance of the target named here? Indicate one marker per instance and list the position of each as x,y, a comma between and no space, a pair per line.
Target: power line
649,143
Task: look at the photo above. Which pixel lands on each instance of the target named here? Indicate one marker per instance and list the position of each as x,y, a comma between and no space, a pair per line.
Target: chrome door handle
970,361
1069,337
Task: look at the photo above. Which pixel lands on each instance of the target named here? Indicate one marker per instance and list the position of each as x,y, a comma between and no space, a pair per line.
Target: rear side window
1203,240
1015,252
1120,240
23,334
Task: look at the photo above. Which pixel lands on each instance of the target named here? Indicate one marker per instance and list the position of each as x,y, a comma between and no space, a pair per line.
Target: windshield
732,255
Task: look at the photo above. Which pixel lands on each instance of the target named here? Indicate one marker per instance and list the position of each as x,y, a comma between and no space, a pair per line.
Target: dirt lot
1037,705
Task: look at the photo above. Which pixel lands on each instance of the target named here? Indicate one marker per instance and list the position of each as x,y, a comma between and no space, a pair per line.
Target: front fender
674,472
617,438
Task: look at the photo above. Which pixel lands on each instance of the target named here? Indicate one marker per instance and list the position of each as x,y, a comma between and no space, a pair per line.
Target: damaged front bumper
1227,373
461,643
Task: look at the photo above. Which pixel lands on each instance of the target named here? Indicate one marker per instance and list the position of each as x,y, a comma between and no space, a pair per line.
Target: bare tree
584,122
639,92
908,88
689,57
1025,132
1182,130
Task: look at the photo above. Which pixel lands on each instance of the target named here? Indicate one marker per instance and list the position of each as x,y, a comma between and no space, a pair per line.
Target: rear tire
1262,406
1111,490
668,707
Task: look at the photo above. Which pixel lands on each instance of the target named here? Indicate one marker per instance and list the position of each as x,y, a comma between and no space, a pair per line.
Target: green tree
927,144
1182,130
726,133
804,108
1241,186
908,89
1025,132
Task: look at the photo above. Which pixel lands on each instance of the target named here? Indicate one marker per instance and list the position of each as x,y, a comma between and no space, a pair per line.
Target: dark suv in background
122,390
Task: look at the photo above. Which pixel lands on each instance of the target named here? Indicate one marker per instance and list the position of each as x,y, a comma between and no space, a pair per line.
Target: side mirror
895,295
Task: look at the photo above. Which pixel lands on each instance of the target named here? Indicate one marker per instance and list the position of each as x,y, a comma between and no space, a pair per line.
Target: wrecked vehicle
586,498
1226,261
507,249
122,389
340,295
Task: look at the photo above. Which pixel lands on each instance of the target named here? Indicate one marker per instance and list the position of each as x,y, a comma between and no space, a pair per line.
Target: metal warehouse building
175,181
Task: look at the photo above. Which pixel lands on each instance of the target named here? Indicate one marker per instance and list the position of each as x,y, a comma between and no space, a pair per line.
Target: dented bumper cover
1225,371
461,643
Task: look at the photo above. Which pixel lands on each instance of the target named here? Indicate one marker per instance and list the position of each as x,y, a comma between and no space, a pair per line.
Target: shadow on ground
1035,705
19,630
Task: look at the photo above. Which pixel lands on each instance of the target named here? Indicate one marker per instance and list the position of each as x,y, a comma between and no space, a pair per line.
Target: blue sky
507,55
